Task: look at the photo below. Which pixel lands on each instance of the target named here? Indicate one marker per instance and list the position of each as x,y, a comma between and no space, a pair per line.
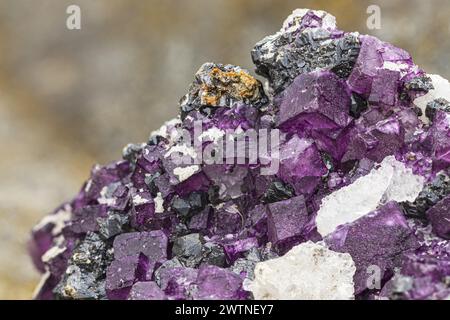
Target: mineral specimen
308,271
356,208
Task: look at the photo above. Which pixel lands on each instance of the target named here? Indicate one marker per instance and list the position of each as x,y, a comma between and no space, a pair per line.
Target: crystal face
357,208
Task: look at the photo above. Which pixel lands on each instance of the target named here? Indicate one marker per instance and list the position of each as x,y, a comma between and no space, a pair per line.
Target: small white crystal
184,173
138,200
183,149
308,271
105,199
392,181
41,284
404,184
292,21
159,203
441,90
212,134
58,220
403,68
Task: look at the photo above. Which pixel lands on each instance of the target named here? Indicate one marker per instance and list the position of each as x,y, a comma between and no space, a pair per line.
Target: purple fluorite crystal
179,219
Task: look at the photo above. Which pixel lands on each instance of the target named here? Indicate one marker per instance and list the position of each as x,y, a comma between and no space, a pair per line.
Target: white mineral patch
394,66
212,134
441,90
41,283
138,200
328,20
291,22
308,271
293,18
183,149
268,47
59,240
162,131
184,173
52,253
290,25
391,181
104,199
58,220
403,68
159,201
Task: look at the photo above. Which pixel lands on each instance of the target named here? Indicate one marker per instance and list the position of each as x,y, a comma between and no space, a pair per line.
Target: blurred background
73,98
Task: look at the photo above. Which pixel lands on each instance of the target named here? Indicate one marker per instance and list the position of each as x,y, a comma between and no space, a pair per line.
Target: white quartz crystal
58,220
308,271
391,181
41,284
441,90
159,203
